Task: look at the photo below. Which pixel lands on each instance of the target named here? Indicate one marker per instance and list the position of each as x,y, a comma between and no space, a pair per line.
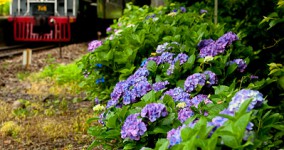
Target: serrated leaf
152,66
162,144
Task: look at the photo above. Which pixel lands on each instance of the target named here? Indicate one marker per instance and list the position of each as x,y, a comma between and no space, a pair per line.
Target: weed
10,128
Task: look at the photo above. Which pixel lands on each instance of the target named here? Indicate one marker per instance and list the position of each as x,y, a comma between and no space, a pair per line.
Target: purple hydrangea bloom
184,114
167,57
199,98
93,45
160,85
178,94
218,121
109,29
253,77
161,48
111,103
118,90
128,97
133,128
181,57
243,95
141,88
211,48
102,117
204,43
96,100
154,111
227,39
171,69
202,11
212,78
141,72
174,136
183,9
193,81
241,64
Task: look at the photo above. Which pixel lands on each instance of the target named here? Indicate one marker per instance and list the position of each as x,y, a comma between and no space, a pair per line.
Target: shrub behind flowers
183,90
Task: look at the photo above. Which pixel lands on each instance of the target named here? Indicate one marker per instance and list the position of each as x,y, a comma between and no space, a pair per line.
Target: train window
61,4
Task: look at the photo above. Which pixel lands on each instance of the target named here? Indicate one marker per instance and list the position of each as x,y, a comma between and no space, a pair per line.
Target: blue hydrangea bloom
154,111
227,39
161,48
174,136
202,11
167,57
184,114
160,85
94,44
204,43
99,65
100,80
241,64
199,98
183,9
133,127
243,95
178,94
181,57
213,48
111,103
212,77
170,70
193,81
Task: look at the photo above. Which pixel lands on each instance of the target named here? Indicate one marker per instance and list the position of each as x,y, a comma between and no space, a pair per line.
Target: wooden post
27,58
60,50
216,12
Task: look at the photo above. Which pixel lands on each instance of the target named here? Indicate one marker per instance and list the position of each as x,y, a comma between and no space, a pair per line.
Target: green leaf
113,134
129,146
243,109
168,120
241,124
152,66
230,141
189,64
162,129
186,133
168,100
231,68
149,97
111,123
162,144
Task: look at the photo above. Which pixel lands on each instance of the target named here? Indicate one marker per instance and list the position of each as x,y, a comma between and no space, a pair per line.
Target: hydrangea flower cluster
202,11
109,29
154,111
184,114
133,127
160,85
212,78
161,48
178,94
94,44
240,97
174,136
196,100
241,64
100,80
130,89
200,79
210,47
193,81
243,95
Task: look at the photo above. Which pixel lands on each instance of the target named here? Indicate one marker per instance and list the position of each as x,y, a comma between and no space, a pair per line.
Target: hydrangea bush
184,87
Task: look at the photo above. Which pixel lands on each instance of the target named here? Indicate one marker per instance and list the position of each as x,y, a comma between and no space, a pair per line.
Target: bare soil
64,126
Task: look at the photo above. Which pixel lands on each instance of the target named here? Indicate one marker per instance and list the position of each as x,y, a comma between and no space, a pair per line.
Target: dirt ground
45,122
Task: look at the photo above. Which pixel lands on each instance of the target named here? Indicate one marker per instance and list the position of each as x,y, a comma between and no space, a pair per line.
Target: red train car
43,20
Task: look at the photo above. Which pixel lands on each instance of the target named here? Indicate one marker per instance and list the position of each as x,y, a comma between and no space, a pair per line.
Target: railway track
8,52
